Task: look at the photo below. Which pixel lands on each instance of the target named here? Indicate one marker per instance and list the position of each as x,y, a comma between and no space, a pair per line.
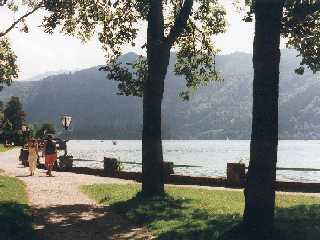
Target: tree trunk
158,54
260,186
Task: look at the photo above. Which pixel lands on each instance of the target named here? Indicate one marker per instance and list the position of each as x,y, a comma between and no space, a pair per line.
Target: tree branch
3,2
180,22
2,34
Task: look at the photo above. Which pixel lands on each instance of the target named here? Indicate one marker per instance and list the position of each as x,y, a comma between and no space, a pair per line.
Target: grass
3,149
189,213
15,215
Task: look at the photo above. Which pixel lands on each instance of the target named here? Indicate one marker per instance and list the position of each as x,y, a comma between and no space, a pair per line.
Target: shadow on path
15,221
83,221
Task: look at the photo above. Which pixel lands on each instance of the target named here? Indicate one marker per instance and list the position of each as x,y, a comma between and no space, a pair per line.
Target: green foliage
4,149
194,43
300,29
130,77
195,213
46,128
65,162
196,54
15,215
8,65
112,166
14,113
13,119
7,128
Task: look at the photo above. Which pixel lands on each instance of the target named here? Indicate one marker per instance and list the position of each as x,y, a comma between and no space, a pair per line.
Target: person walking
33,155
50,152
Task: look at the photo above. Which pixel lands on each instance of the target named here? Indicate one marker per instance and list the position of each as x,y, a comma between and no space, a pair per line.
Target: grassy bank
187,213
3,149
15,215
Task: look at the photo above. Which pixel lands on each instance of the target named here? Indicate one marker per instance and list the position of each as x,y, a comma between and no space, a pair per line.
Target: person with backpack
50,152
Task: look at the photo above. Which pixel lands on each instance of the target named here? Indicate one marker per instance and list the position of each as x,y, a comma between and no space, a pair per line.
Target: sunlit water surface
207,158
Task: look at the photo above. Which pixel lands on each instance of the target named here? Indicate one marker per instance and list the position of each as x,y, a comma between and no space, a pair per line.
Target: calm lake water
207,158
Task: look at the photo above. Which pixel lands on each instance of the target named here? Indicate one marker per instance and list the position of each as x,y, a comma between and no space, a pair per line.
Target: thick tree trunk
158,54
260,186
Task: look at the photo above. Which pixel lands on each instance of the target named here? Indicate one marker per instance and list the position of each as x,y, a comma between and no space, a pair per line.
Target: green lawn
187,213
3,149
15,215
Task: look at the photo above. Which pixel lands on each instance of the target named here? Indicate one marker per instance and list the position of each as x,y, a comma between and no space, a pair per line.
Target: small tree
14,114
7,132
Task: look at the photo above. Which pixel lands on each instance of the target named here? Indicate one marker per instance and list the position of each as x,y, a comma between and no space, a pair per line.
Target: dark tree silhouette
295,20
259,192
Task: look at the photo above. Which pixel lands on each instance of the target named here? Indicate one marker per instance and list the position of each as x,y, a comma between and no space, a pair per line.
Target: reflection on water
211,156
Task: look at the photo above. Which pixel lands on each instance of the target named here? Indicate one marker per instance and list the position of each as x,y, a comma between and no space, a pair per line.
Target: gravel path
61,211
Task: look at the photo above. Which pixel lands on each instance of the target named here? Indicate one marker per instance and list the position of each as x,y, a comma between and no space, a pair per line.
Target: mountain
218,111
41,76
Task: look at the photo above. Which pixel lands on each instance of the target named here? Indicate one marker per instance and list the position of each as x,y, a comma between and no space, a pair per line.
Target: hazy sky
39,52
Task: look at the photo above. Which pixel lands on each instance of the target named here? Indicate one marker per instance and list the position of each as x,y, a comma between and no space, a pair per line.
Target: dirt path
61,211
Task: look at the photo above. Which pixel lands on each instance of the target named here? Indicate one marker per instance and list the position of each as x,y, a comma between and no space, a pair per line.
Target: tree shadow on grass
293,223
173,219
15,221
299,222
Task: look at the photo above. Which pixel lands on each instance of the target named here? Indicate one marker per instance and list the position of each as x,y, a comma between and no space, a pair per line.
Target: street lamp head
24,128
66,121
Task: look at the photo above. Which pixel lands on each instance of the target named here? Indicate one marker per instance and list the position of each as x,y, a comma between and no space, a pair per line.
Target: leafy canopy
45,128
300,29
8,60
8,65
117,22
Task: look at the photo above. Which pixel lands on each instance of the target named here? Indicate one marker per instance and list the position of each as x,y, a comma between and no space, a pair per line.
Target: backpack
50,147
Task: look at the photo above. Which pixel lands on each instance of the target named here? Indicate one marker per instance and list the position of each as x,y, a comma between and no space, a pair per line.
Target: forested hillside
218,111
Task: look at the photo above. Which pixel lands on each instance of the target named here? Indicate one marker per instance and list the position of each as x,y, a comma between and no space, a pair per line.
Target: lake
207,158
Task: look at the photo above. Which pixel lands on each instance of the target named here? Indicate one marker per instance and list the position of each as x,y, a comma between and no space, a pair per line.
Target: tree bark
260,185
158,54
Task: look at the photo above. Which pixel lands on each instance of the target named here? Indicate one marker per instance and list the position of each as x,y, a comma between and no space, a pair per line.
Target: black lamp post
66,122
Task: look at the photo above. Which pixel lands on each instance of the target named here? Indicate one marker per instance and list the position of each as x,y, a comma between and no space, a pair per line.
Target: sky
39,52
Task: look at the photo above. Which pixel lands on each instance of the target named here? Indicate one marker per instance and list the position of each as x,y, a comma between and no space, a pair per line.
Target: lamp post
66,122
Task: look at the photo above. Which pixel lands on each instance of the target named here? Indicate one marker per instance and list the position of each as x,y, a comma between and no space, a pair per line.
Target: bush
112,166
65,163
